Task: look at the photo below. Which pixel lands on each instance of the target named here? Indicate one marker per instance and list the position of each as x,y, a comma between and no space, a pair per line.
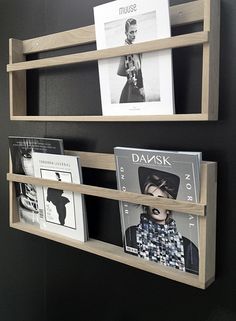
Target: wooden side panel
17,80
208,226
210,72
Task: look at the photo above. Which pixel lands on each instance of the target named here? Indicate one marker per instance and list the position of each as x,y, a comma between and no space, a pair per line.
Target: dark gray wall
44,281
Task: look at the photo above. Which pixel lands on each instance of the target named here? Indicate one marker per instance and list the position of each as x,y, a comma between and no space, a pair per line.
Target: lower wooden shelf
116,253
205,209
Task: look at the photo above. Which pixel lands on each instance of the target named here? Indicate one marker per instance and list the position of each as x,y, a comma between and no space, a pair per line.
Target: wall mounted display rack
205,209
208,12
205,11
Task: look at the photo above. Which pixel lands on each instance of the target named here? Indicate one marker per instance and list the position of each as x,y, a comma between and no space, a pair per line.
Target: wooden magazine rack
206,11
205,209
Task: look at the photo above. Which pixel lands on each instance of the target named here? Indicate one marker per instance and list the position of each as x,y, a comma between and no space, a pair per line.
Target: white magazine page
60,211
139,84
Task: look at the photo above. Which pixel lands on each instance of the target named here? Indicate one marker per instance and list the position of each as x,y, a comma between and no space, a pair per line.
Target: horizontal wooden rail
190,39
134,118
115,253
179,14
170,204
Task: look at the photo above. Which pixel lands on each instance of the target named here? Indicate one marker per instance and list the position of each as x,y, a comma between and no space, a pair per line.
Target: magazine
136,84
21,149
156,234
60,211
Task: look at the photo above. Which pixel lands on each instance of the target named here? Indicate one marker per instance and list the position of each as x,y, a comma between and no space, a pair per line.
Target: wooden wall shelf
205,209
207,11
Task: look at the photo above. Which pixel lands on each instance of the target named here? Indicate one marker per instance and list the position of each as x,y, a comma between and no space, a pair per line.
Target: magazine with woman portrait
154,233
140,83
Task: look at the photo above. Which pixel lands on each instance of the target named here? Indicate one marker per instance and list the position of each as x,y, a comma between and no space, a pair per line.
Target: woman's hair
168,183
128,23
161,183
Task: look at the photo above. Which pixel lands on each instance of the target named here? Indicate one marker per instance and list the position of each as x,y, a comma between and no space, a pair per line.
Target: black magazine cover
21,149
155,234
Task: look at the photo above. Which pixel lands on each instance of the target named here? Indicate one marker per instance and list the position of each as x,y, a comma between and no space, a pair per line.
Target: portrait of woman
130,67
156,237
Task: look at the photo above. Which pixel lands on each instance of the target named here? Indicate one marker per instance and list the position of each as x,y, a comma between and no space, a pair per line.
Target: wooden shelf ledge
138,118
190,39
116,253
180,14
170,204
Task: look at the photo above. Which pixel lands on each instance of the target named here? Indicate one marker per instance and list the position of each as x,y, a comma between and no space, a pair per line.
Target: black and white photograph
21,149
136,83
61,211
58,204
156,234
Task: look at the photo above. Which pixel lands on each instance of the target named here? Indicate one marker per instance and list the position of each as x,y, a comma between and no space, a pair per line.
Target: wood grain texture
69,38
210,68
134,118
17,80
116,253
148,46
170,204
107,162
179,14
208,227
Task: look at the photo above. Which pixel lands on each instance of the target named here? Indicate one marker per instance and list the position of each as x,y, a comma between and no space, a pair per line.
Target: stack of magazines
50,209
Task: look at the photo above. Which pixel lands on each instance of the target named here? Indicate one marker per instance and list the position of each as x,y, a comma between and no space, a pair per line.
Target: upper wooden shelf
207,11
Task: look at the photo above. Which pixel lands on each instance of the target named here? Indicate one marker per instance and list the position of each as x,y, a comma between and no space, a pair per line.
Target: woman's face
157,214
27,164
131,33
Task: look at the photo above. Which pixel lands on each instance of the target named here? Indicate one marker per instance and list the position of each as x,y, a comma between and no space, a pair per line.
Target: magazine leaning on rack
152,233
141,83
21,149
61,212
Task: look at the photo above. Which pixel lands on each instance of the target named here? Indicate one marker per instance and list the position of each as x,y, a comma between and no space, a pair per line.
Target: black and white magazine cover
21,149
157,234
61,212
136,84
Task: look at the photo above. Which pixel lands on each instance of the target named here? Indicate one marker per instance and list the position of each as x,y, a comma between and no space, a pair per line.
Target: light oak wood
17,80
117,254
179,14
207,11
207,206
137,118
69,38
160,44
208,227
170,204
210,72
94,160
187,13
